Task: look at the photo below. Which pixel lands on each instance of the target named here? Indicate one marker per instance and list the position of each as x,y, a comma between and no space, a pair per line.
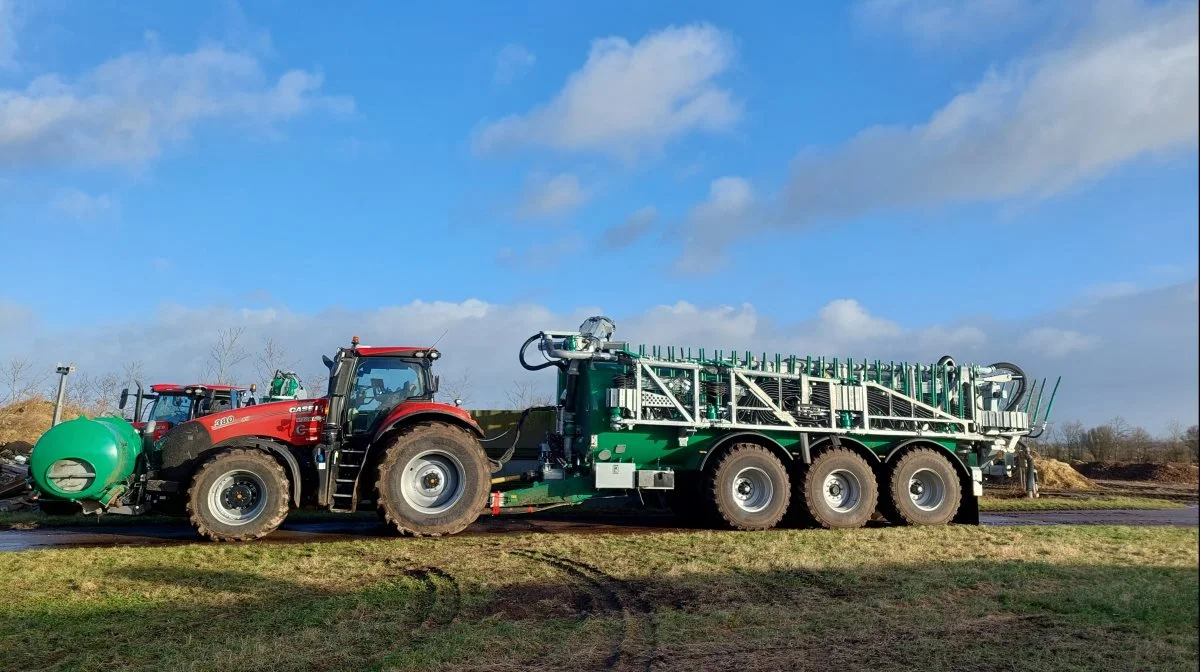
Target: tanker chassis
726,439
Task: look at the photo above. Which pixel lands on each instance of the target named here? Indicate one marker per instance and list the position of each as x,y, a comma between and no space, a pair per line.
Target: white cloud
846,320
636,226
1110,290
128,109
551,196
630,98
512,61
1125,88
1056,343
730,209
81,205
1111,377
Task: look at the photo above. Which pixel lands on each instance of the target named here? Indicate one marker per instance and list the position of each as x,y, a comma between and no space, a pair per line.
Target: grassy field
946,598
1098,502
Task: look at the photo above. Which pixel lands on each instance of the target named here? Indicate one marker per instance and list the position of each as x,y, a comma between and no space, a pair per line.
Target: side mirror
328,362
436,382
124,399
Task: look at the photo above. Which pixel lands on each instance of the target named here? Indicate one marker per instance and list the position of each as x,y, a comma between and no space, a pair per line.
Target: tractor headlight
71,475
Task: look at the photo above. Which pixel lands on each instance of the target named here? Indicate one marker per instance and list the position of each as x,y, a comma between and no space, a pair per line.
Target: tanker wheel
238,495
749,488
839,490
433,480
923,489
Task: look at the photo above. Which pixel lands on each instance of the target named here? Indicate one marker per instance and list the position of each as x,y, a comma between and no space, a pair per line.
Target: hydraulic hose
499,463
527,365
1020,380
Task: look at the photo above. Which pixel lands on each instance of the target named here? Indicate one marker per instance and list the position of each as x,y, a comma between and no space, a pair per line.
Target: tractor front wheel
238,495
433,480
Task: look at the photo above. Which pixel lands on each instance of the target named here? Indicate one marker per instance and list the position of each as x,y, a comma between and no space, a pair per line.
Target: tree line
1118,441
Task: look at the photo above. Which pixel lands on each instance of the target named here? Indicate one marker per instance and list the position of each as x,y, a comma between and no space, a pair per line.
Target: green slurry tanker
728,439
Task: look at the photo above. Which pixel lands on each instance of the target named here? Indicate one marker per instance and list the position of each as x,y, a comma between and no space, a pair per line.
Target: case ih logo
301,409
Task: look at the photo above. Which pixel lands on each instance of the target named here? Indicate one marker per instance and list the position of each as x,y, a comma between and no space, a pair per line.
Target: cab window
380,384
172,408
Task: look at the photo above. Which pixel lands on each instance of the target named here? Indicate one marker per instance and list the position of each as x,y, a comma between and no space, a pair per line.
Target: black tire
850,484
238,475
57,508
748,489
923,474
452,447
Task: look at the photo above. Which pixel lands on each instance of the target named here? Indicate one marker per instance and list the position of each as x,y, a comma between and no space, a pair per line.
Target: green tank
83,459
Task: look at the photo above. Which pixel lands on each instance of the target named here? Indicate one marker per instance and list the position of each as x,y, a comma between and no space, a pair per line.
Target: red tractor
376,436
172,404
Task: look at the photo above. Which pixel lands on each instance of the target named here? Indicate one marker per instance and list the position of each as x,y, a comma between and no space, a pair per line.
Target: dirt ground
1170,473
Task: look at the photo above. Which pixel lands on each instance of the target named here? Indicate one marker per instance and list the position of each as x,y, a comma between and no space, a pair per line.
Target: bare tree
1173,446
524,395
224,355
80,390
271,358
107,393
18,380
133,373
1072,438
1191,439
1140,443
458,387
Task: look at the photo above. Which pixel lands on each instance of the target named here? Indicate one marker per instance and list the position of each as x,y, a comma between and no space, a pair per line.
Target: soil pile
23,422
1171,472
1060,475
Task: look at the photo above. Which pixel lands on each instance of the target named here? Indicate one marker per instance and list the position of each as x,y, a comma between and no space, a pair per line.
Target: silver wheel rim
842,490
432,482
927,489
752,489
238,497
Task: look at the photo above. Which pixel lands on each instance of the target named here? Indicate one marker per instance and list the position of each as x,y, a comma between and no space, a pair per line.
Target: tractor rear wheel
839,490
433,480
749,488
238,495
923,490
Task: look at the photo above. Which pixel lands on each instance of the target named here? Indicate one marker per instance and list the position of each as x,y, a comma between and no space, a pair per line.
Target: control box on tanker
728,439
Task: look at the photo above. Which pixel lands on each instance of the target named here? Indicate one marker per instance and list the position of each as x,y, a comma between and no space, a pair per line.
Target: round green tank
82,458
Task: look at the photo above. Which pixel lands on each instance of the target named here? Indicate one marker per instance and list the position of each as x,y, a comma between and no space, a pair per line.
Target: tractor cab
369,383
171,404
373,392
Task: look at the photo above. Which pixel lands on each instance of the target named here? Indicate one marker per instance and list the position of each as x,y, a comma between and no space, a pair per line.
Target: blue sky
936,163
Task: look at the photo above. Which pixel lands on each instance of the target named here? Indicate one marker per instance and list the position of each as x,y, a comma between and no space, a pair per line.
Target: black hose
533,367
1019,378
499,463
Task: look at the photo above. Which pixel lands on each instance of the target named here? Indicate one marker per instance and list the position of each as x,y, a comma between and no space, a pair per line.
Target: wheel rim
432,482
238,497
752,489
927,489
842,490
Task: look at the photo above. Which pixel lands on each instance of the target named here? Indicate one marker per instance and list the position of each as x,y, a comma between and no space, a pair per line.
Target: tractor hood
277,419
